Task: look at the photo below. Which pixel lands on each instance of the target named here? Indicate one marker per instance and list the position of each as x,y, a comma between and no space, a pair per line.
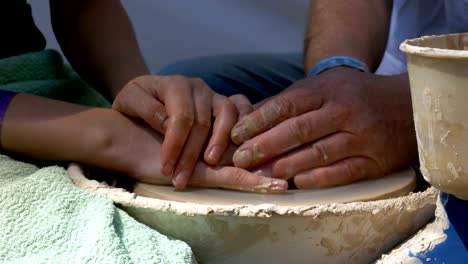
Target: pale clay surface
357,232
438,68
399,184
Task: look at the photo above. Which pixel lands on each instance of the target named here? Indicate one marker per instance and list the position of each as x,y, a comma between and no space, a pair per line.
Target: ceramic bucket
438,74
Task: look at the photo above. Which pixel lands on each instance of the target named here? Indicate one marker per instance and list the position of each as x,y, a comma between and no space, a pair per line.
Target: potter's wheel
234,227
394,185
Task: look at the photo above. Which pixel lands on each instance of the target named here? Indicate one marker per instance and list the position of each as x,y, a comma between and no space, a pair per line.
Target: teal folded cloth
44,74
44,217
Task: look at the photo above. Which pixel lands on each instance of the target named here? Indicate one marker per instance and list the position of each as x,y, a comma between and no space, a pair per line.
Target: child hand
134,149
182,109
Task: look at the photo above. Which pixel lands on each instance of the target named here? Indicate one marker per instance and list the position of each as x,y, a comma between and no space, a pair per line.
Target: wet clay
395,185
438,67
222,232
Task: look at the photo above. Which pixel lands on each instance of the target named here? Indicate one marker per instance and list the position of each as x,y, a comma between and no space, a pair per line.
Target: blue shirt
415,18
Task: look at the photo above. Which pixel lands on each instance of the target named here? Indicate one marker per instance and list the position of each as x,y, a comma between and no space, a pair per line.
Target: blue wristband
338,61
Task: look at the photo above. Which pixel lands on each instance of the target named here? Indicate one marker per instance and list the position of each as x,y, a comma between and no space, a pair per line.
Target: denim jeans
257,76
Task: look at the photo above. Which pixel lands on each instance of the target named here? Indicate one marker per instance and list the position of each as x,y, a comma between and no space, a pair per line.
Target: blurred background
173,30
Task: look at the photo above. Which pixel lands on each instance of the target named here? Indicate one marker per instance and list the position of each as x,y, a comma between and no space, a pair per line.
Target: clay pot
281,228
438,73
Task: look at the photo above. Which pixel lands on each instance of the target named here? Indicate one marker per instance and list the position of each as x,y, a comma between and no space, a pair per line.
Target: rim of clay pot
419,46
125,198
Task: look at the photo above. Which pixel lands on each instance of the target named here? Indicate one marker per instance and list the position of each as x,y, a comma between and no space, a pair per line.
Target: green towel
45,74
44,218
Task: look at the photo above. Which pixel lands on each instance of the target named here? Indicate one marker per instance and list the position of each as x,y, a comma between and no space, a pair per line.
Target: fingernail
180,180
168,168
242,159
214,153
236,134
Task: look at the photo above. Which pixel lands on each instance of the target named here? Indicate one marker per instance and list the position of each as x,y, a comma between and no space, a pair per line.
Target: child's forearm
47,129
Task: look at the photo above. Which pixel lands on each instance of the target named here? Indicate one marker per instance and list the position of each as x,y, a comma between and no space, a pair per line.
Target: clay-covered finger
285,137
203,97
236,179
273,112
225,114
135,101
243,105
179,102
320,153
343,172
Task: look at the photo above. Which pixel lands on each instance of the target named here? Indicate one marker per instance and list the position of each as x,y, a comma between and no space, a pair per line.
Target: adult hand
131,147
182,109
336,128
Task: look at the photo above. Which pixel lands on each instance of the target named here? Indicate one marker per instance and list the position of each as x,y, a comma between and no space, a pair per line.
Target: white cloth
415,18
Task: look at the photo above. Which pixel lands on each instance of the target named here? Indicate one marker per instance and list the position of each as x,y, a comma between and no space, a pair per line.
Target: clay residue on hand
244,131
256,153
271,187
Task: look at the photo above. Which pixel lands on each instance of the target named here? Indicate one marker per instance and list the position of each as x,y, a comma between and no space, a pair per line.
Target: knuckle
230,107
352,171
227,103
239,98
283,107
234,177
177,78
158,111
173,81
132,89
185,118
348,143
319,150
198,82
123,100
166,81
142,82
300,130
204,123
341,114
235,97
